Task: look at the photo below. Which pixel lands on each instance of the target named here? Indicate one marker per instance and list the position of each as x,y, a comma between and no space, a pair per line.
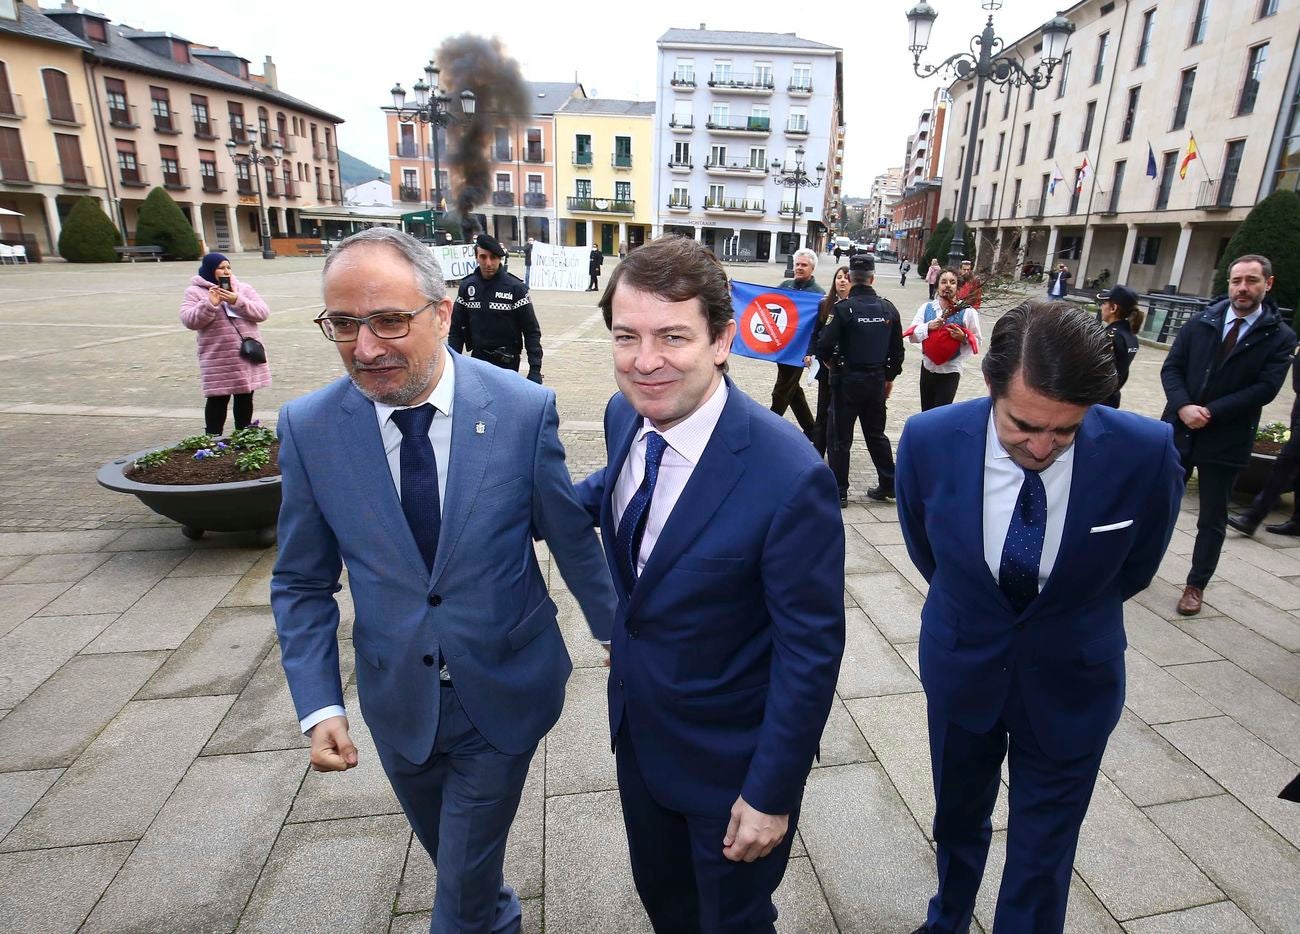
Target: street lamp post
985,62
256,159
433,106
795,177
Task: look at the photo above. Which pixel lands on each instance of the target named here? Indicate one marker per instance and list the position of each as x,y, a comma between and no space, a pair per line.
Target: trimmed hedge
162,223
1271,229
88,235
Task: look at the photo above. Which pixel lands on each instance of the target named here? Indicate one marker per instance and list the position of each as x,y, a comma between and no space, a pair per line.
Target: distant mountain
354,171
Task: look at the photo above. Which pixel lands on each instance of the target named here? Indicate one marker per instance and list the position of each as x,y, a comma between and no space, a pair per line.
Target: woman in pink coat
224,311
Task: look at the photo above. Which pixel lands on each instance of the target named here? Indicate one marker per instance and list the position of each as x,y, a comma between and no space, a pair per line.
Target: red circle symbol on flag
768,323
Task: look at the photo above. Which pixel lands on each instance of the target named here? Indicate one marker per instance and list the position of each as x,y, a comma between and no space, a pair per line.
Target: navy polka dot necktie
1023,550
631,528
419,471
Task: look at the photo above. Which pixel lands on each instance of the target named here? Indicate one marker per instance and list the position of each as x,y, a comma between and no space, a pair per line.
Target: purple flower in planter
202,453
255,423
221,445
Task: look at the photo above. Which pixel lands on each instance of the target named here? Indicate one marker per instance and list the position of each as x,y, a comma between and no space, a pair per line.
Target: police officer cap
861,262
1121,295
491,244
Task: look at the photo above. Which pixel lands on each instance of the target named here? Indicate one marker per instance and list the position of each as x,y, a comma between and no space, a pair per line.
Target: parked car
886,256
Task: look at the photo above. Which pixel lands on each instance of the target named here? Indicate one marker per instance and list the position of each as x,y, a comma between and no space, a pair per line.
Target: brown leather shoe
1190,604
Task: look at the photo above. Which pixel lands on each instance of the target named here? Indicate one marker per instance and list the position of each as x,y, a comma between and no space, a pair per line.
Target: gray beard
417,381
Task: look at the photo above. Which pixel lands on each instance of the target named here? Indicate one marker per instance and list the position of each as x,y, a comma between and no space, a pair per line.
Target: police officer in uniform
1123,318
493,317
865,335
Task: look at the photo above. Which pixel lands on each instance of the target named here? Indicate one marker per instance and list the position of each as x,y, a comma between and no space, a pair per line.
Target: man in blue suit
426,474
1033,514
724,538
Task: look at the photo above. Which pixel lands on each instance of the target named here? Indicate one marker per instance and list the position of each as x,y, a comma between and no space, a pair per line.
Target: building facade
729,105
605,189
1113,129
886,189
916,211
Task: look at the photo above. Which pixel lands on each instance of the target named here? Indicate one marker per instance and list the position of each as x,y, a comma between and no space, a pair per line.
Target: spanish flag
1187,159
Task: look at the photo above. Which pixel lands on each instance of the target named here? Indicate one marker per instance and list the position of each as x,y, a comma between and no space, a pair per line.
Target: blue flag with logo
1151,162
772,324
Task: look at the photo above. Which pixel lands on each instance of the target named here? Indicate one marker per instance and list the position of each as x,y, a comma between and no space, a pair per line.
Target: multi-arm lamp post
433,106
256,159
796,177
984,62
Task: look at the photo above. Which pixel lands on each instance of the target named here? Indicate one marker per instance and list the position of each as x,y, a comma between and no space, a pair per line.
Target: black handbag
250,348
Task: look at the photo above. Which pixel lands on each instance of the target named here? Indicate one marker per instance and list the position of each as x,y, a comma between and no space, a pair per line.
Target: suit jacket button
428,660
435,600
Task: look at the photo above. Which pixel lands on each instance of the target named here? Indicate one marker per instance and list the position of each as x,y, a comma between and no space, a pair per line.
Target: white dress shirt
1247,323
1002,481
969,319
686,442
442,398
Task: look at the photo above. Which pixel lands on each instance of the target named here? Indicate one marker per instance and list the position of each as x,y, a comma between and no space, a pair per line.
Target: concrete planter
1252,477
242,506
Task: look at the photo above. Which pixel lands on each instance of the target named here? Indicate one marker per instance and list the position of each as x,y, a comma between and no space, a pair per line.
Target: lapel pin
479,428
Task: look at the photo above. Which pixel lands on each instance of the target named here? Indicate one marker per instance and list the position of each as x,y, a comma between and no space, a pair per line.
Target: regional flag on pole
1082,176
772,324
1151,162
1057,176
1187,159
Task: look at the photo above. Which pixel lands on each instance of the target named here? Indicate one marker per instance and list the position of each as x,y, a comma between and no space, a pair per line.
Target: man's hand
331,746
605,646
934,324
807,361
956,333
752,834
1194,416
889,387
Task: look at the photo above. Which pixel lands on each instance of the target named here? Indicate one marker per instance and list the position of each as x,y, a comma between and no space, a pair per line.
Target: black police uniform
867,335
494,318
1125,344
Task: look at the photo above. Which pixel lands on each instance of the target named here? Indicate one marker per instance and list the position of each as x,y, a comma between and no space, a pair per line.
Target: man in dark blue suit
1033,514
723,534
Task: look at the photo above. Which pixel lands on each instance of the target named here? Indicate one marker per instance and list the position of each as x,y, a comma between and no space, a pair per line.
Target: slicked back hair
1059,350
675,269
1263,261
427,270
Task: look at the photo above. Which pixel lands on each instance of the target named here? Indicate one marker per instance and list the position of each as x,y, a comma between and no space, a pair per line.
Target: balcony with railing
133,176
213,182
683,81
239,132
322,191
621,160
206,129
177,180
601,206
534,199
271,188
789,210
681,123
503,199
1034,207
167,123
65,112
680,167
535,154
124,117
582,158
336,193
739,169
317,149
679,202
1109,202
405,149
756,83
980,212
332,153
17,172
741,126
1216,195
77,176
503,153
797,128
409,193
734,206
800,87
244,185
11,106
290,188
287,140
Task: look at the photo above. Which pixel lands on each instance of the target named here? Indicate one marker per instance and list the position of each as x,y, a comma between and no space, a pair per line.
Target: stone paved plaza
153,778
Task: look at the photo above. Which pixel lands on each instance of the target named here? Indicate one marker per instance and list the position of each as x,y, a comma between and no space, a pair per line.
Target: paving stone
873,861
418,922
51,543
37,648
871,666
1219,918
1156,696
48,569
1248,769
1142,763
800,904
910,652
585,651
1258,582
1276,625
1161,598
881,533
901,562
1253,704
1182,543
11,564
896,728
1084,913
1117,837
588,875
859,555
357,861
254,588
219,657
165,616
577,748
1161,641
54,890
51,727
159,538
19,791
118,785
892,604
218,562
1275,666
1253,866
116,584
197,864
841,742
1279,562
19,601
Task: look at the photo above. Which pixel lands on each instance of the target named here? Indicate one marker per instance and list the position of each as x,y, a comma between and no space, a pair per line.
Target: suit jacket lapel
974,440
620,448
470,454
1089,452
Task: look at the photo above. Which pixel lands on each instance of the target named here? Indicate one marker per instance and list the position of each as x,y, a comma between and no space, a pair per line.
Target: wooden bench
133,252
313,249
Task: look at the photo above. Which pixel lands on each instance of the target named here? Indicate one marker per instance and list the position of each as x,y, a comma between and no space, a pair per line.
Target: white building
886,188
728,105
374,193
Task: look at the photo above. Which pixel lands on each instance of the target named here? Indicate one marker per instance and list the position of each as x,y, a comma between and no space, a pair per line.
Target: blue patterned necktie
627,540
1023,550
419,471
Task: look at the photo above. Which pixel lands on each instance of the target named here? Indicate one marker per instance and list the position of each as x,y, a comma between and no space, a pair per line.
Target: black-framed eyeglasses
386,325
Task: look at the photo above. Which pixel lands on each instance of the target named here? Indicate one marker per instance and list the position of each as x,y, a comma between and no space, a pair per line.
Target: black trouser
594,284
214,412
788,394
1212,518
861,398
821,422
1280,479
934,287
937,389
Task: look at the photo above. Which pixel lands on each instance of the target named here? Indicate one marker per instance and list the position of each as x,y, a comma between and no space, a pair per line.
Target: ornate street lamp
985,62
795,177
433,106
256,159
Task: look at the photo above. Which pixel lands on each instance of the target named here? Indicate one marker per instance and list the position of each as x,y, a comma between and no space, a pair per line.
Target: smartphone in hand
224,282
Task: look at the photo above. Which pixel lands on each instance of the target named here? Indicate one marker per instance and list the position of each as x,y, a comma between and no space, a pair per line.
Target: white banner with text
560,267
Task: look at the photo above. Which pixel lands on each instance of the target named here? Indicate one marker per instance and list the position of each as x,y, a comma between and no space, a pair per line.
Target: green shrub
940,243
162,223
88,235
1272,229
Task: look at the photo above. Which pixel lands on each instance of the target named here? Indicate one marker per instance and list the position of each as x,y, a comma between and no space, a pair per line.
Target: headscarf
208,268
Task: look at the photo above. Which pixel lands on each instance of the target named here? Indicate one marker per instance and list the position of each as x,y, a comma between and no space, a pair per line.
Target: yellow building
604,173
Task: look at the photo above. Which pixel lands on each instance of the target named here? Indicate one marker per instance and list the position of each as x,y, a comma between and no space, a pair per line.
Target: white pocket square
1112,527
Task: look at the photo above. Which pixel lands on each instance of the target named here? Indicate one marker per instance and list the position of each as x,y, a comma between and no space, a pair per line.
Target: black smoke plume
501,97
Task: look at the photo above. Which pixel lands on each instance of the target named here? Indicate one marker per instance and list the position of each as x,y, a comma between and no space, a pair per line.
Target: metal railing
212,181
980,213
674,164
134,177
322,191
317,149
166,123
679,203
68,113
602,205
503,199
243,186
800,87
533,154
796,128
755,81
683,80
206,129
1214,195
742,124
737,205
17,172
404,149
742,168
123,117
621,160
332,153
582,158
11,105
1034,208
336,193
503,153
788,209
290,188
534,199
176,181
406,193
239,133
287,140
681,123
77,176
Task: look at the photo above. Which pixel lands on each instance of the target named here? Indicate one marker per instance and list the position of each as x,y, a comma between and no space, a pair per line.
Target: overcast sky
344,57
